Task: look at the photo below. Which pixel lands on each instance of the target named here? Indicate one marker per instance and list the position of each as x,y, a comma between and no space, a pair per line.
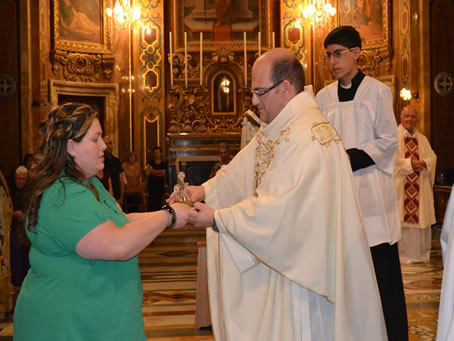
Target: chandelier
123,12
318,11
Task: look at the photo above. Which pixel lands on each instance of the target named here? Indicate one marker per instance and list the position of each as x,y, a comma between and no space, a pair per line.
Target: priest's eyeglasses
261,92
337,54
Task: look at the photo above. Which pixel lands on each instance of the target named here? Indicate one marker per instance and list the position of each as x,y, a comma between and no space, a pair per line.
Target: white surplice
445,329
368,123
291,260
414,244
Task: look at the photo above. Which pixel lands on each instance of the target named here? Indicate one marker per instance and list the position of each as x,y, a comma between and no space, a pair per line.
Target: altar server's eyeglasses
261,92
337,54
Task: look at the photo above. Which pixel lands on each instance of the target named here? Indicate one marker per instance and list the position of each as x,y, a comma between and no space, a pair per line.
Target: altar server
361,110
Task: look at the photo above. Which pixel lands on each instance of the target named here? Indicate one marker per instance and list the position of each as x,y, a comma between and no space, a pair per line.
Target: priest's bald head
277,77
409,118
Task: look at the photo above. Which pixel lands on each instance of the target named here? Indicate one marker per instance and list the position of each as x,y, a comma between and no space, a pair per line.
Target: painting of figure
365,15
80,20
220,20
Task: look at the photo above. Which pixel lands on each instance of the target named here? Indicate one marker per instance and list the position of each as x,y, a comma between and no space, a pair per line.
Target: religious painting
82,26
369,17
222,22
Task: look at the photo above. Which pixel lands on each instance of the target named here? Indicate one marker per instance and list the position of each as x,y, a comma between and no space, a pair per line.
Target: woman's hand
184,214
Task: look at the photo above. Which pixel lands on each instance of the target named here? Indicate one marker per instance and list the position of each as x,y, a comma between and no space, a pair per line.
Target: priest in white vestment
414,174
288,258
361,110
445,330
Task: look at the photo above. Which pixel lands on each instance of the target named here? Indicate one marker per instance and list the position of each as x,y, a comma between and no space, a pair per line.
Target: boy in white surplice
361,110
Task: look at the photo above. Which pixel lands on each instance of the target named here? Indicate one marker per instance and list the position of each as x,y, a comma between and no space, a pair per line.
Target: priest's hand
204,217
197,193
417,165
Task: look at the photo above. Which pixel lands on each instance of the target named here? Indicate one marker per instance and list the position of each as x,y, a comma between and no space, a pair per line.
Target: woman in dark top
157,171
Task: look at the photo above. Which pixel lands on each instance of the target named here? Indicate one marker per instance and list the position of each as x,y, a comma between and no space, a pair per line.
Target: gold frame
105,47
264,21
382,44
234,93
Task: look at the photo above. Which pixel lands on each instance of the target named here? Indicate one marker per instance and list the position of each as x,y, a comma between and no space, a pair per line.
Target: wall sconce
406,94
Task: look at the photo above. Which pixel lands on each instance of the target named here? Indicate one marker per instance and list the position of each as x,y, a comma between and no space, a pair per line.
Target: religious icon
181,195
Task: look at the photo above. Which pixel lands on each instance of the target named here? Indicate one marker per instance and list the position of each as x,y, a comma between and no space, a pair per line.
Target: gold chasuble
291,259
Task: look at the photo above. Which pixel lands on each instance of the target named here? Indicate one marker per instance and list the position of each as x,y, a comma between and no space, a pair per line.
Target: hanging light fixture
318,11
123,12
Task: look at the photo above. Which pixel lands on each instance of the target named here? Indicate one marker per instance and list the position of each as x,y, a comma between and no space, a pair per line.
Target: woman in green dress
84,281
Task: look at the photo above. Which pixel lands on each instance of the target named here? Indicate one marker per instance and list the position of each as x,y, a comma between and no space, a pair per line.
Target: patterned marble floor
168,268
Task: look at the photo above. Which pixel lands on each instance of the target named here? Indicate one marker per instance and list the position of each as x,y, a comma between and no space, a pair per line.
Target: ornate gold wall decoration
82,67
293,30
405,41
375,62
150,104
198,110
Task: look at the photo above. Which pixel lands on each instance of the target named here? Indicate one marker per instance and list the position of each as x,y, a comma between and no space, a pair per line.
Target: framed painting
82,26
222,23
370,18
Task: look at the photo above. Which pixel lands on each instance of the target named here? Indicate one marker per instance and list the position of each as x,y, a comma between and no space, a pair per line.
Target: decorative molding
82,67
375,62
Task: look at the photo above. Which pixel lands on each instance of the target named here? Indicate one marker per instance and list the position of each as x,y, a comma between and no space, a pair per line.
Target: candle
245,60
274,42
185,59
260,43
171,59
201,58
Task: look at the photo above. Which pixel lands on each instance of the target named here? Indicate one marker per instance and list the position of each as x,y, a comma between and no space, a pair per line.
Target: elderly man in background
20,245
414,174
225,158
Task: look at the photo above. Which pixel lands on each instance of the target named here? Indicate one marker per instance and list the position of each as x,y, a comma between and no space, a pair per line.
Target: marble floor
168,268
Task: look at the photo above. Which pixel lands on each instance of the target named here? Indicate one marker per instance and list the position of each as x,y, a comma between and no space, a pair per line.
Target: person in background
133,186
132,171
414,175
29,161
287,254
19,244
104,177
361,110
224,154
156,171
114,169
84,281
